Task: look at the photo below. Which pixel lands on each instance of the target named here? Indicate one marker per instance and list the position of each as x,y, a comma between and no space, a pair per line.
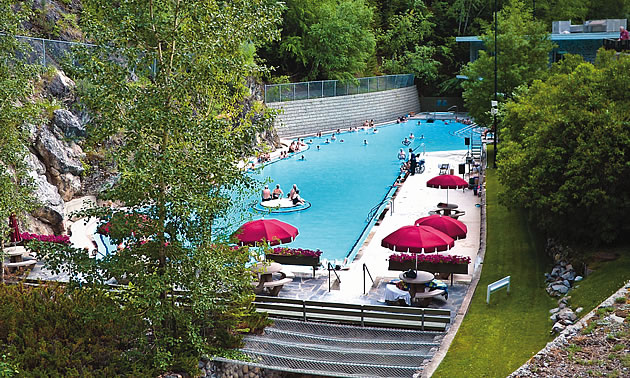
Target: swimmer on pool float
266,194
297,200
292,192
406,141
277,192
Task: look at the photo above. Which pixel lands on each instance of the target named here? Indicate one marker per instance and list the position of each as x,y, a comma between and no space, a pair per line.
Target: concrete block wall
306,117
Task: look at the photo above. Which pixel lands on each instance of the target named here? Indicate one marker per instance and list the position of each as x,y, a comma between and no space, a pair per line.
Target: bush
53,331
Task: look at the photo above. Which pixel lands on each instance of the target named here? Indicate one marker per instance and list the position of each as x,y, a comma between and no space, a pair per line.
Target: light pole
496,51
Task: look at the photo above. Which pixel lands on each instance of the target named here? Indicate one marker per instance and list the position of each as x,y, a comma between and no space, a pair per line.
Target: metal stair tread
353,340
342,350
349,364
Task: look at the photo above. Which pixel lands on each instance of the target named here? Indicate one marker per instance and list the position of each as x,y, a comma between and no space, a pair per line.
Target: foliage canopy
564,153
167,90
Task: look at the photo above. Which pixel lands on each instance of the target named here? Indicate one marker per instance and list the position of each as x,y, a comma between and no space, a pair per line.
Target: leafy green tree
523,56
327,39
17,107
565,146
166,87
403,45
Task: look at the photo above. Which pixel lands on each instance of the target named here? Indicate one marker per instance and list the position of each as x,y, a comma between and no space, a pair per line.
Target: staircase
476,146
341,350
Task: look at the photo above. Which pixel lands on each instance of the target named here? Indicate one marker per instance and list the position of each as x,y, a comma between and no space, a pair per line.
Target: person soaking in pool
292,192
401,155
277,192
266,194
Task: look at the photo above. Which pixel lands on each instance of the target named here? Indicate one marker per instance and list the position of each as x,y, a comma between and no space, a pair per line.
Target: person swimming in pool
327,141
411,136
365,142
406,141
317,147
401,155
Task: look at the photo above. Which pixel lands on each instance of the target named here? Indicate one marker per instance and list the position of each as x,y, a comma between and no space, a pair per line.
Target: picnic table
266,278
418,289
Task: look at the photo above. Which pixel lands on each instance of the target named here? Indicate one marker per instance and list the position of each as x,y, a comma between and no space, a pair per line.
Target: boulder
578,278
61,86
569,275
68,123
69,185
51,211
56,154
554,310
562,289
567,314
557,328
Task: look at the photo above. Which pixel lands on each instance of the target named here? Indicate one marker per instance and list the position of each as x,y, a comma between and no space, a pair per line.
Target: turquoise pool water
343,181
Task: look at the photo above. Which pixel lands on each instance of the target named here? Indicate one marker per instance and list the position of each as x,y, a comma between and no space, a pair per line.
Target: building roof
555,37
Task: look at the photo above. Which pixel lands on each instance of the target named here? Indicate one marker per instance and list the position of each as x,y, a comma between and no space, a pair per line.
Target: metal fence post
293,91
44,52
335,89
322,89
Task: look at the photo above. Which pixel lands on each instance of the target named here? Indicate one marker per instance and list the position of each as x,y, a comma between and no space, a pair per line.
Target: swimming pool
343,181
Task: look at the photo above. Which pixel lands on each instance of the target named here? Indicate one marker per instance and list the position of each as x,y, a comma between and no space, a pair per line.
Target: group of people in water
277,193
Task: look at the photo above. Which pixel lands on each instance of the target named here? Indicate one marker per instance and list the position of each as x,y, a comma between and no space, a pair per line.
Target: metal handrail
331,267
365,269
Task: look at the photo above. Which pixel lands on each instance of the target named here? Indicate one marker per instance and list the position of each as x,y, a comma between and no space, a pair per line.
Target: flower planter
295,260
429,267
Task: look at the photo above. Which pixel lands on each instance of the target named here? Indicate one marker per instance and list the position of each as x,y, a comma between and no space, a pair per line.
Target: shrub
284,251
55,331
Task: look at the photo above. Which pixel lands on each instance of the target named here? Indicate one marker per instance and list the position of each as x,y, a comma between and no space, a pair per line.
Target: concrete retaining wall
306,117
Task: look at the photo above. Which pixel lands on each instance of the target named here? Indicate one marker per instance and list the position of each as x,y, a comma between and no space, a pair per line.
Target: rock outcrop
51,211
61,86
68,124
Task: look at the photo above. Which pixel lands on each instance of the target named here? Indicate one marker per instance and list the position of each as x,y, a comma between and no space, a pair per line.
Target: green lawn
607,278
496,339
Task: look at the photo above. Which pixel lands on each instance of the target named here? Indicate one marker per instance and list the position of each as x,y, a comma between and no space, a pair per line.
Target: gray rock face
51,210
68,123
56,155
61,86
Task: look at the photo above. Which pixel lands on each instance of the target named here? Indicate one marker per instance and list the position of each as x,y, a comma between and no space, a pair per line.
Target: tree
327,39
404,47
166,87
564,153
17,108
523,56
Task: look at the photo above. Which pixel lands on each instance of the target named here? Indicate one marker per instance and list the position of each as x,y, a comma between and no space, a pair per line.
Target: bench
273,287
425,297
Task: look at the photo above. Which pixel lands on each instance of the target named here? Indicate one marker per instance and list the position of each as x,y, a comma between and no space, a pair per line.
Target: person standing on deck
412,162
623,34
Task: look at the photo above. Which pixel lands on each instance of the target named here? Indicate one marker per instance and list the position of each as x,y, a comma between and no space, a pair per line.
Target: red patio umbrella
417,239
447,182
271,230
450,226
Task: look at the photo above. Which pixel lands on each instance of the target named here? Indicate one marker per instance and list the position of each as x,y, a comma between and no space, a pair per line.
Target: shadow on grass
497,338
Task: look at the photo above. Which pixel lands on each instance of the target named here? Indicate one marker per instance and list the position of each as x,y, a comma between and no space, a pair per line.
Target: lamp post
494,111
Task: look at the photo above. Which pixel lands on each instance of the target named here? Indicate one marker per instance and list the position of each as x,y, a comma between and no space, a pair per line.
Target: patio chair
443,169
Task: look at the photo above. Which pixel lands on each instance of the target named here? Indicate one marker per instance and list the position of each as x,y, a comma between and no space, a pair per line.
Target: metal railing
331,88
365,269
332,268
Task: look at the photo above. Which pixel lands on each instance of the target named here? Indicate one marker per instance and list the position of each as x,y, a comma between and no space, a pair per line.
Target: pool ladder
374,210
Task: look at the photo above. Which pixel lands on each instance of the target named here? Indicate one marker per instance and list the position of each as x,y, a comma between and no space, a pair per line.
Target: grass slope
496,339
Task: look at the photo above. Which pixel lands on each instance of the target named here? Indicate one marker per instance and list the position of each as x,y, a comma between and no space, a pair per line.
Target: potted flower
294,256
434,263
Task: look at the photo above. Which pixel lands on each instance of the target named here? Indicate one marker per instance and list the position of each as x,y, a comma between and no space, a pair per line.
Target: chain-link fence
331,88
48,52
